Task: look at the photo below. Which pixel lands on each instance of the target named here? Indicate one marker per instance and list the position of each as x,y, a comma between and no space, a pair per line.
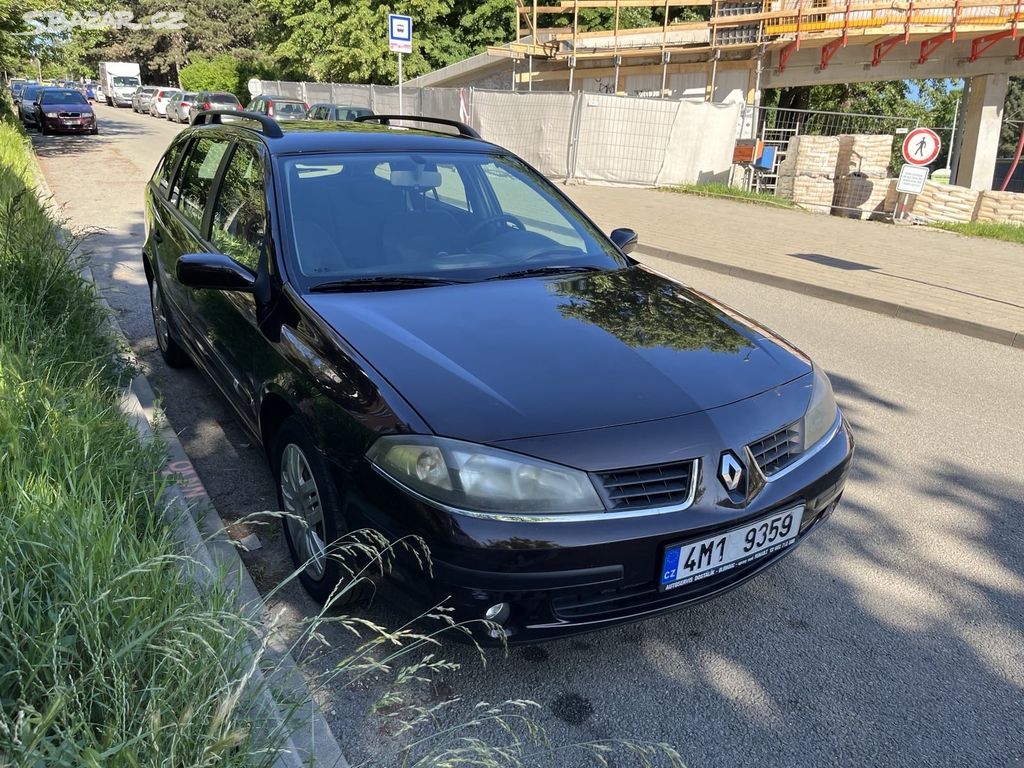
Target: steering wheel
505,218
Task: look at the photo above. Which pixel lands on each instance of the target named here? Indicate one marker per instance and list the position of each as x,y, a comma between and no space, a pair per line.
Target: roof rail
269,125
464,130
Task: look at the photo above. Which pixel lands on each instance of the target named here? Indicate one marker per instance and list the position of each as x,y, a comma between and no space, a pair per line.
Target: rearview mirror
625,239
214,271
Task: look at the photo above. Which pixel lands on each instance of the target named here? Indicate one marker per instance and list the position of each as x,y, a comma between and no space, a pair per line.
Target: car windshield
451,216
29,92
123,81
64,97
296,108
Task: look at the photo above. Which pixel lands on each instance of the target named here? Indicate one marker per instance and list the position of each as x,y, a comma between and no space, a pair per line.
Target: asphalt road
894,636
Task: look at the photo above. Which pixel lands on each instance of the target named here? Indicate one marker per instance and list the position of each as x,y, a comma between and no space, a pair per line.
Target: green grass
1011,233
732,193
108,657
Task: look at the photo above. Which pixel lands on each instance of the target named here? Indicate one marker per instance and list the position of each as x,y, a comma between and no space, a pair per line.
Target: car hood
520,358
84,109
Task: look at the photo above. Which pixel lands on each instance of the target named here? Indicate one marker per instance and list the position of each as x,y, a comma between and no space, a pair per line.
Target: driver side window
239,213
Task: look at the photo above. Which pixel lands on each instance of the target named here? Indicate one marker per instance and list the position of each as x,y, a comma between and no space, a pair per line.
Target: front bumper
564,578
57,125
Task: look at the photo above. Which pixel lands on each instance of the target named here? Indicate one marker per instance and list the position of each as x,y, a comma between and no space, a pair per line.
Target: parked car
142,96
90,91
279,108
15,83
158,104
64,110
180,106
336,112
207,100
429,338
26,104
17,89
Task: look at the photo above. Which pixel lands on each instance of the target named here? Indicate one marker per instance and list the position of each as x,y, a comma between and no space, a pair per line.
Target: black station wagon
428,338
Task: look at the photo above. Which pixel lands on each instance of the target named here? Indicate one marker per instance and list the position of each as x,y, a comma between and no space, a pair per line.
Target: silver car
158,104
179,108
142,96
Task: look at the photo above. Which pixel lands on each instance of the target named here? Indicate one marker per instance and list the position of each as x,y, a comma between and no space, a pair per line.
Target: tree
1013,117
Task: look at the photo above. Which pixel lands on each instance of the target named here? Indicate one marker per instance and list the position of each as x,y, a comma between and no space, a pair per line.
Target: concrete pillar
983,122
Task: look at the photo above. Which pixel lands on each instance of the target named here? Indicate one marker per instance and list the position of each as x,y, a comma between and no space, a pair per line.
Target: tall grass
109,654
729,192
994,230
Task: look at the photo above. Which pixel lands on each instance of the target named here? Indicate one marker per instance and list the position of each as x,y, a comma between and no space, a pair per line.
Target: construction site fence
574,136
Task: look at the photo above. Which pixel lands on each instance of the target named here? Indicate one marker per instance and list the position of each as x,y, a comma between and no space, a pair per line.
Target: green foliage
1011,233
1013,117
108,657
219,74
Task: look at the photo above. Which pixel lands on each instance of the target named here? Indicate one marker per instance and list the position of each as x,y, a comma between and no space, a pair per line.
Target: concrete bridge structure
746,46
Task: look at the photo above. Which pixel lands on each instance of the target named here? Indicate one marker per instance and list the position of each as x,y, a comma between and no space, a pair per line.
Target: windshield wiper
380,283
555,269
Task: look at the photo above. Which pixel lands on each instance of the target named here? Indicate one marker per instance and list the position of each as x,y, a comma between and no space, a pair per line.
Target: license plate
72,121
692,561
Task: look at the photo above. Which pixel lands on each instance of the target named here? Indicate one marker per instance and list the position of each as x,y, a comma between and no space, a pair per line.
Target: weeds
732,193
1011,233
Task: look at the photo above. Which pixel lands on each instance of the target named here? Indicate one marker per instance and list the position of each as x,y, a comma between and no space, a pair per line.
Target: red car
64,110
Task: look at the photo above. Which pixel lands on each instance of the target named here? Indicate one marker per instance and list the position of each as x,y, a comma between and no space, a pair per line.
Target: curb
991,333
310,741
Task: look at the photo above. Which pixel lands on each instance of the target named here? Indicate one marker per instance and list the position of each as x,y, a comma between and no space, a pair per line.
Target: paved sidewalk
969,285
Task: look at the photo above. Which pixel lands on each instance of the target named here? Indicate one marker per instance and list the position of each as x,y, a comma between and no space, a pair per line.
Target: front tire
173,353
307,493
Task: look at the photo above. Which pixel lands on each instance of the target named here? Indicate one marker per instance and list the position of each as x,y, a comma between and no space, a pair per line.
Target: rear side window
239,215
165,169
290,108
195,180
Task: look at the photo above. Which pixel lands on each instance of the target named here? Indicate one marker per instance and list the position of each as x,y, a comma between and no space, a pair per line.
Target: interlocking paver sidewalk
969,285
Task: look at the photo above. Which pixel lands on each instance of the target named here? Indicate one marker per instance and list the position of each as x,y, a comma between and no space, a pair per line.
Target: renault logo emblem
730,471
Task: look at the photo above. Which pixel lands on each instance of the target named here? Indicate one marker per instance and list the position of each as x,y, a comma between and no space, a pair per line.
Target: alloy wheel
160,325
302,501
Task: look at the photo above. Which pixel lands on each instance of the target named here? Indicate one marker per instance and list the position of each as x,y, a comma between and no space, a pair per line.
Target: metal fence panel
623,139
535,126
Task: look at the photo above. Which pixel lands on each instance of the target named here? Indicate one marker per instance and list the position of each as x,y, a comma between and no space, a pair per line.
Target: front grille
778,449
661,485
69,114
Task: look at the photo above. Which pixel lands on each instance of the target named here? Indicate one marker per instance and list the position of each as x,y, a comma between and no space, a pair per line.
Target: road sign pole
400,110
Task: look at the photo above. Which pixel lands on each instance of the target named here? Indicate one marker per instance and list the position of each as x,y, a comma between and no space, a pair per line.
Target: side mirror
214,271
625,239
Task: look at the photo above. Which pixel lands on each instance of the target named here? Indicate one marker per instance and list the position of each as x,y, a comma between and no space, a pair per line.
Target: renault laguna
430,340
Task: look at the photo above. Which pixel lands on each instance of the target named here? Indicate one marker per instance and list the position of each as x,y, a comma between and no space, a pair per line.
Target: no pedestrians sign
921,146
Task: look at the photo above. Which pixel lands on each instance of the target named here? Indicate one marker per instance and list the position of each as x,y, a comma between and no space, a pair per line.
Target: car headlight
51,114
821,410
478,478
